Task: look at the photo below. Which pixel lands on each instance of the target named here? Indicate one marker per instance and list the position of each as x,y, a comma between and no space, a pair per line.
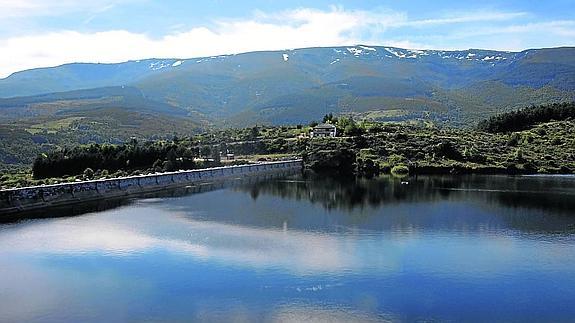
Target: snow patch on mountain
158,65
416,51
177,63
395,53
478,56
286,57
368,48
355,51
481,57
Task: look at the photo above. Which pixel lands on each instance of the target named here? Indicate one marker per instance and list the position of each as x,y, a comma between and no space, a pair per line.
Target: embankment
39,197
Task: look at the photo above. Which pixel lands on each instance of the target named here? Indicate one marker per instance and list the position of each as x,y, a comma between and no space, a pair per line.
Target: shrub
556,141
513,140
395,159
447,150
518,154
385,168
367,167
400,170
338,161
88,173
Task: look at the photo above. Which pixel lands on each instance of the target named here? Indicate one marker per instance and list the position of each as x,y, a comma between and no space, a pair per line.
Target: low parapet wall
38,197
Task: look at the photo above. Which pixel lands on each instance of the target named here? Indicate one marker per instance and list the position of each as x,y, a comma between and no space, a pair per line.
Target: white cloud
32,8
467,18
289,29
560,27
513,37
407,44
264,31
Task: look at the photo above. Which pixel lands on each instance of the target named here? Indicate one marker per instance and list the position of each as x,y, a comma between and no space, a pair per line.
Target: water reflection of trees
476,203
522,203
338,193
351,193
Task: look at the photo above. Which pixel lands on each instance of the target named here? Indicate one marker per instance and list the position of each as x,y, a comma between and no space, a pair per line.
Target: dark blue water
482,249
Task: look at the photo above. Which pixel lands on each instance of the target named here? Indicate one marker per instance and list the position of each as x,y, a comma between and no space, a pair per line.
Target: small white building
324,130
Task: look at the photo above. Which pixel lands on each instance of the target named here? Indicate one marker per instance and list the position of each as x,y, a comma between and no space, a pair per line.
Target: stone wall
38,197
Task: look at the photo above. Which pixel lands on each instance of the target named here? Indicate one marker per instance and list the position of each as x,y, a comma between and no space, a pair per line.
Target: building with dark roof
324,130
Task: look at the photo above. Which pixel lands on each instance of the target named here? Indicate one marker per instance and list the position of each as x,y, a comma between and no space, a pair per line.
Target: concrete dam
18,200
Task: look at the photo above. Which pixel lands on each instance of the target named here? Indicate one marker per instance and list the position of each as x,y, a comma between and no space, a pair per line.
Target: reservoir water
475,248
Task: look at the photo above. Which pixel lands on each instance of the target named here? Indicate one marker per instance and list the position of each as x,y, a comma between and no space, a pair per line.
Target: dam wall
38,197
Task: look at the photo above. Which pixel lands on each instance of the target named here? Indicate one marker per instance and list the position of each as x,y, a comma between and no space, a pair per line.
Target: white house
324,130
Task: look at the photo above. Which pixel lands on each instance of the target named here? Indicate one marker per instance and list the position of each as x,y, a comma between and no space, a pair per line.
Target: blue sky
36,33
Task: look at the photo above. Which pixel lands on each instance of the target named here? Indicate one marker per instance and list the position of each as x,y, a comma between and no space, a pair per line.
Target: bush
400,170
518,154
513,140
337,161
556,141
395,159
447,150
367,167
385,168
88,173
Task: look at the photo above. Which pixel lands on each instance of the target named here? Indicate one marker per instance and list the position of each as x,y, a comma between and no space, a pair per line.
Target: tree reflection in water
531,203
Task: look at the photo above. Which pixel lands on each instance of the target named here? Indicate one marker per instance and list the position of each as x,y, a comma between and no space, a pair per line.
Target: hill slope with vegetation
365,148
294,86
528,117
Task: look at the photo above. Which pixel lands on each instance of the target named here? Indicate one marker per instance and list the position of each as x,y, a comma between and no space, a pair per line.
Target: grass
54,126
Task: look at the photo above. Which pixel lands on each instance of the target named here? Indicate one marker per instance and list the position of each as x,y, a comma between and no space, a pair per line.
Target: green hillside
293,86
157,98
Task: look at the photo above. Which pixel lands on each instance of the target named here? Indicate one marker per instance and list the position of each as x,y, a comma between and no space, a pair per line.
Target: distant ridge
295,86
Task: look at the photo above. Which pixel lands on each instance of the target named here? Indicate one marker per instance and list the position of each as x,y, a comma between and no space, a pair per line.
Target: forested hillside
365,148
528,117
79,104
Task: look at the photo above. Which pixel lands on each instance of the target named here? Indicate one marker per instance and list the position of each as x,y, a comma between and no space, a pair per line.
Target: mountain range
292,86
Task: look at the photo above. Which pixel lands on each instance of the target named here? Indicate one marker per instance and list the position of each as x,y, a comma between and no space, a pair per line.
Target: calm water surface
488,248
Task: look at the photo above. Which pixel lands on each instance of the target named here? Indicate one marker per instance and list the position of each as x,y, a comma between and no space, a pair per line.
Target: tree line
526,118
150,156
133,156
